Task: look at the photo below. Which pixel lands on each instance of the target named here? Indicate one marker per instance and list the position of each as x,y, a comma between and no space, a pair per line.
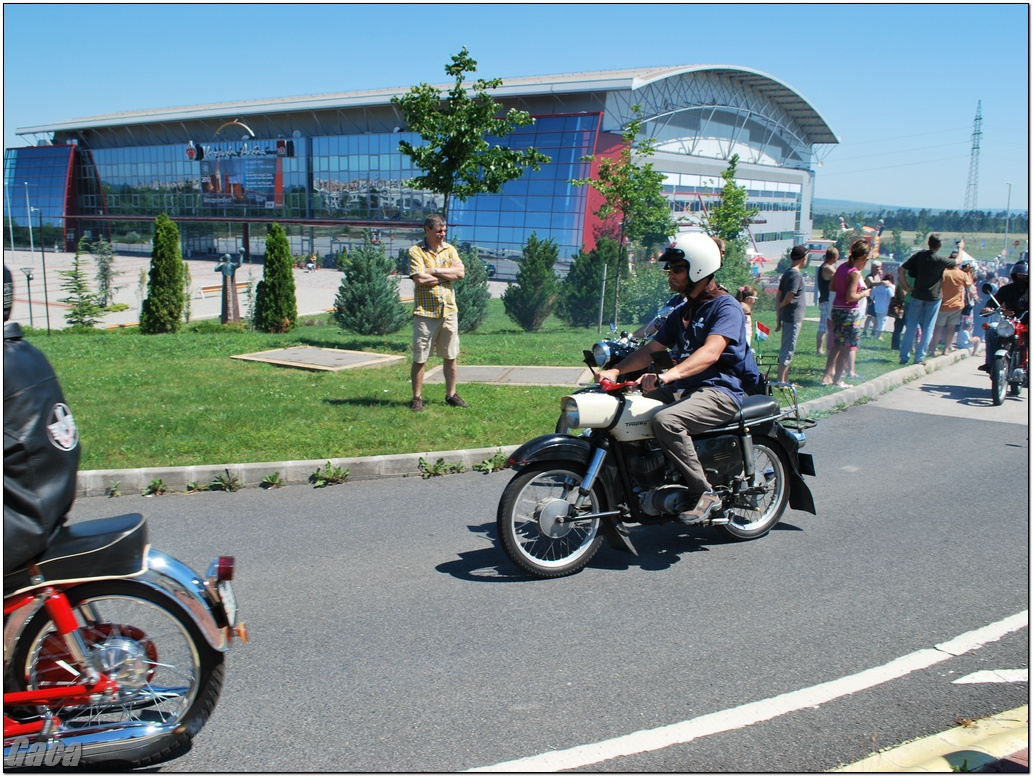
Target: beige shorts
949,318
441,334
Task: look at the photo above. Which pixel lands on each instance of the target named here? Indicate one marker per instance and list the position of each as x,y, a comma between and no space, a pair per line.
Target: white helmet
696,249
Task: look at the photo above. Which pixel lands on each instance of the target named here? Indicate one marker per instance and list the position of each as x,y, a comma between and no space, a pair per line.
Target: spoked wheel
531,521
168,677
756,512
999,379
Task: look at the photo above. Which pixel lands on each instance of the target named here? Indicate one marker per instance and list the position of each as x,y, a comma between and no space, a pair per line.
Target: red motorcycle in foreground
1009,368
113,650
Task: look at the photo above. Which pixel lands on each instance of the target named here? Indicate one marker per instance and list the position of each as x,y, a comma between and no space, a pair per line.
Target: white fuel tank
596,410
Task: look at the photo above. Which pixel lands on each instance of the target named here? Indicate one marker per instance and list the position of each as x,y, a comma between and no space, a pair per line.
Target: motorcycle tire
758,514
527,525
999,379
169,676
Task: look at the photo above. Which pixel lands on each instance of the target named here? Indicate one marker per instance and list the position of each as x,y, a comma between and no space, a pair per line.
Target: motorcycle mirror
989,288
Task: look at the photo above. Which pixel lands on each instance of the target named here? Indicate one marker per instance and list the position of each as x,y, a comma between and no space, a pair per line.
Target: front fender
550,447
175,579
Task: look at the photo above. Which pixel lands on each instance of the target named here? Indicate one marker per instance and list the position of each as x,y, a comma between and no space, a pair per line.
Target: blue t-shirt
721,315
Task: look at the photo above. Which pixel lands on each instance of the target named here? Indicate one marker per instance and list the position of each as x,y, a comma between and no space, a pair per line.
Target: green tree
276,302
457,160
367,300
633,194
472,294
104,255
530,301
162,310
84,306
729,220
645,293
578,303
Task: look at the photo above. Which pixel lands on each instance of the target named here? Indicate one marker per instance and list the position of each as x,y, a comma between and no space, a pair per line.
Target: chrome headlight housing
601,354
568,408
1005,328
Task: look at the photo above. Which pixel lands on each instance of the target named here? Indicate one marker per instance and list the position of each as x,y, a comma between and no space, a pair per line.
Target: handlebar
609,385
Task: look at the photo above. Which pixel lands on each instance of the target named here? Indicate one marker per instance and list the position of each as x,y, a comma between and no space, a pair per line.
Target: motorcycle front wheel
757,511
530,526
169,678
999,379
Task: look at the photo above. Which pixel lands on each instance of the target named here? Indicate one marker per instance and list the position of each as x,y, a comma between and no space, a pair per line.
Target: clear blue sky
898,84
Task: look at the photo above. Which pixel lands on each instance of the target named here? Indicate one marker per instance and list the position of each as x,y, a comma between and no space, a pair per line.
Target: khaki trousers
700,411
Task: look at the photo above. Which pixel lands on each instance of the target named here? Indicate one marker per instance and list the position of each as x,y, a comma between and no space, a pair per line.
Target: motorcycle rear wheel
169,677
999,379
527,520
761,512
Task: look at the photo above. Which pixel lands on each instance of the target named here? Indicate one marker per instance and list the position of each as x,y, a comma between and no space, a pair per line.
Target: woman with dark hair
850,289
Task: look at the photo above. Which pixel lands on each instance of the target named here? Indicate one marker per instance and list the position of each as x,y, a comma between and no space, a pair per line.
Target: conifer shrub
367,300
162,310
472,294
85,307
276,302
578,303
530,301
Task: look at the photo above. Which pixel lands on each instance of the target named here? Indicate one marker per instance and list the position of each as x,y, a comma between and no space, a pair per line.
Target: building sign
242,174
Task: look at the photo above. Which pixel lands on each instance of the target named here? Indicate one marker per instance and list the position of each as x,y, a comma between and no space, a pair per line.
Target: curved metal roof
795,105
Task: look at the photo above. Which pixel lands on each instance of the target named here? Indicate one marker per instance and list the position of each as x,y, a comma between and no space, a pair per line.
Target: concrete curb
966,748
100,482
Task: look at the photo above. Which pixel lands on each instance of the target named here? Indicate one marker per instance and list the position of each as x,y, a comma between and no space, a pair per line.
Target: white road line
766,709
995,676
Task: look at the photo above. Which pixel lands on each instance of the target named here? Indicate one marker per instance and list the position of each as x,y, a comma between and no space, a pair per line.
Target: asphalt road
390,633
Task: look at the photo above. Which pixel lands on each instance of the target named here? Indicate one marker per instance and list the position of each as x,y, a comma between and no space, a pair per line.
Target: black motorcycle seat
757,406
108,547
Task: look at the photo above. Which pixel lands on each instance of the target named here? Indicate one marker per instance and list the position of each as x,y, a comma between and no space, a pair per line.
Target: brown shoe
417,404
455,401
708,503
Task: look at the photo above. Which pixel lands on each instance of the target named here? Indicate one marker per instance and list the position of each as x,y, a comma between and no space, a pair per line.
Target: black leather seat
108,547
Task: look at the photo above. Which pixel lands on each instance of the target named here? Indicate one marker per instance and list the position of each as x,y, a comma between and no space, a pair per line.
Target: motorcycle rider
41,446
707,385
1013,300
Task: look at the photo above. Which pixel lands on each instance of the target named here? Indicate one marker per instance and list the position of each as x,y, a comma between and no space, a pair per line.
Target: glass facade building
329,169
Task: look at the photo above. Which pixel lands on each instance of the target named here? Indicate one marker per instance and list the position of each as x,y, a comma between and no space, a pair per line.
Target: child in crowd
747,295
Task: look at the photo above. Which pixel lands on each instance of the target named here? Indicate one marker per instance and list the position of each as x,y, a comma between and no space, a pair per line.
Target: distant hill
839,207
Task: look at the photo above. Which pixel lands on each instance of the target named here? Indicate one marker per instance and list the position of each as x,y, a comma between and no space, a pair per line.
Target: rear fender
176,580
800,497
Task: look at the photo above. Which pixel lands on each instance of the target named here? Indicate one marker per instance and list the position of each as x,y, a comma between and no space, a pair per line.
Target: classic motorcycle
572,491
1009,368
113,650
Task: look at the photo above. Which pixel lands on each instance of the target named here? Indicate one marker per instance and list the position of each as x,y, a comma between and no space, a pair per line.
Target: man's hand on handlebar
610,375
647,382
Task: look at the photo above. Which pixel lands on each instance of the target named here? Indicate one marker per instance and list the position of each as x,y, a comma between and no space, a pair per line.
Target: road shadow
971,396
659,548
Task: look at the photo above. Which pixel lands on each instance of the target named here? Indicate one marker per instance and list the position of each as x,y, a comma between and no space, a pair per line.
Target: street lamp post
43,258
10,218
28,289
28,214
1007,215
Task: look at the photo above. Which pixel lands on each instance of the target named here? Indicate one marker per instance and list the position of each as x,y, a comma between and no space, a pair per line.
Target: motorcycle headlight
1005,329
601,353
569,409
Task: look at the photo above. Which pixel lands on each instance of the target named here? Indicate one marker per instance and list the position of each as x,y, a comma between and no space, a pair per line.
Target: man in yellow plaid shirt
434,266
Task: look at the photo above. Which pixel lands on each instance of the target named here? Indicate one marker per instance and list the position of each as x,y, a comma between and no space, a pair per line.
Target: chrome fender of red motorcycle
174,578
628,418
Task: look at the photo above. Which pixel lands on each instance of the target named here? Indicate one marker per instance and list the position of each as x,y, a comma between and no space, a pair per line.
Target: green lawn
176,400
